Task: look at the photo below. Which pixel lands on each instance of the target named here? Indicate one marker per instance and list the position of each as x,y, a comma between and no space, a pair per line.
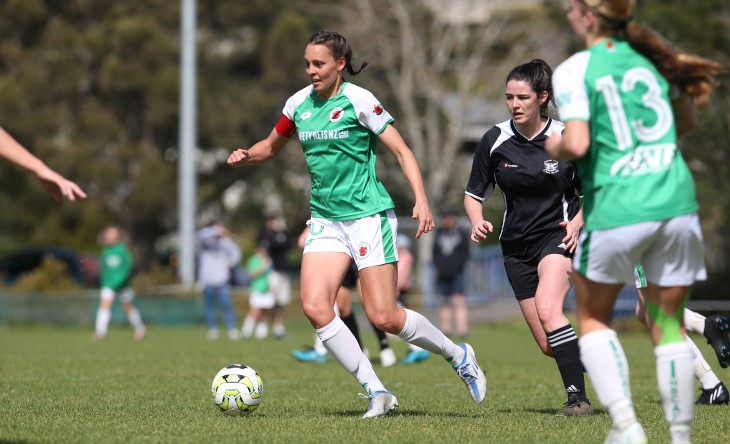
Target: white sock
248,325
419,331
606,364
674,367
703,372
102,321
318,346
262,330
694,321
135,319
680,434
341,343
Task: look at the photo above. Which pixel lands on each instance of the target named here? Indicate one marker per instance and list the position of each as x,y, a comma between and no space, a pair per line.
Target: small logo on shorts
562,245
364,250
551,167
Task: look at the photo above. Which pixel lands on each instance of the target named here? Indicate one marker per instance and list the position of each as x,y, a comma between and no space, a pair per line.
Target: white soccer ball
237,389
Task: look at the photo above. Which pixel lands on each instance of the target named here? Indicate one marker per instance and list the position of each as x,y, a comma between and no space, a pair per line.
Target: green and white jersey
633,171
339,136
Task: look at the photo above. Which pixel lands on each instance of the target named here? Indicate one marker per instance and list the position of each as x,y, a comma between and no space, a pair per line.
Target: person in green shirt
116,272
352,219
260,298
623,100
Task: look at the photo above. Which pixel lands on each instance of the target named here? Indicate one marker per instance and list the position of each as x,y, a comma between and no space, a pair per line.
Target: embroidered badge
551,167
336,114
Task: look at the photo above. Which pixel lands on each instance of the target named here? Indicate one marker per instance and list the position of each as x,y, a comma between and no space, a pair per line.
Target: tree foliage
91,86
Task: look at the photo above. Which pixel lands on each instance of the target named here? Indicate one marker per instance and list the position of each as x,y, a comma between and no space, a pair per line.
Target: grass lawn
59,386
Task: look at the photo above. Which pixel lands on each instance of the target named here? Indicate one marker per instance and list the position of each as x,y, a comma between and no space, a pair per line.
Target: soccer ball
237,389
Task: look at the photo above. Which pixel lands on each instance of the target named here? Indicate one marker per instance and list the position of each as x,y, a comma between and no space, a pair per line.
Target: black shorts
521,260
350,280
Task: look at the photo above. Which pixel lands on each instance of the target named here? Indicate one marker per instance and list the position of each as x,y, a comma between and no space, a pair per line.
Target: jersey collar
539,135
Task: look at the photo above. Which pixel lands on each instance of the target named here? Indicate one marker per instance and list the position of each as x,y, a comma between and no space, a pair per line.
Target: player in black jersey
541,222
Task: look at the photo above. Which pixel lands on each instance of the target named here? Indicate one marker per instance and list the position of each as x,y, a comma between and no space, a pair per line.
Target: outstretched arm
260,152
408,163
56,184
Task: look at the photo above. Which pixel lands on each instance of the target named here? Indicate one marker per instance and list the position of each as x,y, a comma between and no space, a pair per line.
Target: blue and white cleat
473,376
309,356
381,403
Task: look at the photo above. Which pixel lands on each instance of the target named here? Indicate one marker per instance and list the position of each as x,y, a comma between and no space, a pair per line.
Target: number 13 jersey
632,171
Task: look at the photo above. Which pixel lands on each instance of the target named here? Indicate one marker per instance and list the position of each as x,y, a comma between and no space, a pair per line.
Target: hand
479,231
572,232
60,187
238,158
422,213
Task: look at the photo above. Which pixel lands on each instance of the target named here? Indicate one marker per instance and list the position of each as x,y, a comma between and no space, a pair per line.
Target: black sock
382,338
564,343
351,323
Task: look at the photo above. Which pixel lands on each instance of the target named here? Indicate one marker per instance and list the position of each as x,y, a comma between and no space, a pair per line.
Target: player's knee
318,312
385,321
548,310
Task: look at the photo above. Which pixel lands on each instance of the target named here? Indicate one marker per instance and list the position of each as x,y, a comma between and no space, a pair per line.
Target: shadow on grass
408,412
551,412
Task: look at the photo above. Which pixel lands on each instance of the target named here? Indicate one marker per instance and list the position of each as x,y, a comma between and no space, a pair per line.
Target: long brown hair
338,46
694,75
538,75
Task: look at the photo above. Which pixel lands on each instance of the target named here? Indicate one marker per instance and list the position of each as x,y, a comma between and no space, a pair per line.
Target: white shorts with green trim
671,252
126,295
369,241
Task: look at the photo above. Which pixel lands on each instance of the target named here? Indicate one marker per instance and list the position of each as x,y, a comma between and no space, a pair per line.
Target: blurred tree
91,86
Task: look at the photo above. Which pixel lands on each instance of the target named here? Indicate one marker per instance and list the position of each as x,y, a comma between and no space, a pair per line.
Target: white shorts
280,286
261,300
369,241
126,295
671,252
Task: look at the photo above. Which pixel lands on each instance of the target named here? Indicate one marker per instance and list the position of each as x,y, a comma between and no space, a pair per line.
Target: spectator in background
279,278
260,296
217,255
450,256
116,273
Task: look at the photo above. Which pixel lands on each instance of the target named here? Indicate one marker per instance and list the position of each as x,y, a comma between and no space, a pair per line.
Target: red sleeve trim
285,127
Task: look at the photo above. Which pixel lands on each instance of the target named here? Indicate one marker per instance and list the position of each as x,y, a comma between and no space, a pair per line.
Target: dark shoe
714,396
716,332
577,405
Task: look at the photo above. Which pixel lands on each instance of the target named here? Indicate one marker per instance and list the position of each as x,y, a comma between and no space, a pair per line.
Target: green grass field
58,386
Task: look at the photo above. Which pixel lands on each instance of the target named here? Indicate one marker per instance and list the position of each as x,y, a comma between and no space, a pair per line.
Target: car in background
83,269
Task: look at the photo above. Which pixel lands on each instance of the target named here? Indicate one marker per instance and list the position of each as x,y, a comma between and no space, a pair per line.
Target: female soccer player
615,98
541,221
339,125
